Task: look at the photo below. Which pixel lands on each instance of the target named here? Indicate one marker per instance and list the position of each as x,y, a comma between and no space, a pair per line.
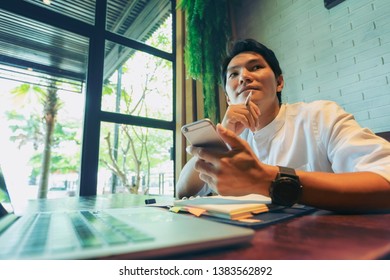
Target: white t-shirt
319,136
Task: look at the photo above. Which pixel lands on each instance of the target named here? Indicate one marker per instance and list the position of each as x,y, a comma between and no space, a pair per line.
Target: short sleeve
350,147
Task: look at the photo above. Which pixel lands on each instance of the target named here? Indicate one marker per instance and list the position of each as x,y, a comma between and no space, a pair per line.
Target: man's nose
244,76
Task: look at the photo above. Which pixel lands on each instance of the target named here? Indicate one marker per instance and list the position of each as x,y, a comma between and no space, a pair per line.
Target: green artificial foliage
207,33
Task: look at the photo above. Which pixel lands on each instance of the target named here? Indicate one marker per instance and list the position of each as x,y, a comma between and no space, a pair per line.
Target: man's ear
280,83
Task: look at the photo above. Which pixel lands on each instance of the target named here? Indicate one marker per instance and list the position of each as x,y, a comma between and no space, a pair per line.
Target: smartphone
203,133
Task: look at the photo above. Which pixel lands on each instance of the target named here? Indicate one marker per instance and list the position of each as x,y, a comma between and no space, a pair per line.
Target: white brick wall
342,54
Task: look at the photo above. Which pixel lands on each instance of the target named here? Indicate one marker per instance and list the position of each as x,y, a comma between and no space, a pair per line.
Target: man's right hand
241,116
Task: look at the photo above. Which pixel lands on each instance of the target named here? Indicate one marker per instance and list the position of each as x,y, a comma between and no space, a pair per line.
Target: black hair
251,45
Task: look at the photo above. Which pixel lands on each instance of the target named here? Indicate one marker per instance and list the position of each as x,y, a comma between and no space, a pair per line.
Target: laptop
139,232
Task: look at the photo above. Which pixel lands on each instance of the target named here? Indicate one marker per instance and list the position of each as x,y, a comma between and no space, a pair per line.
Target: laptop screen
5,202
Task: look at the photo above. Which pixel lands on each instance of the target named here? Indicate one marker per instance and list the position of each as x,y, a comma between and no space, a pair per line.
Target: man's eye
256,67
232,75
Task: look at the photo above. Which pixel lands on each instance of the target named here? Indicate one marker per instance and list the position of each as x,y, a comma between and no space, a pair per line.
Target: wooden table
320,235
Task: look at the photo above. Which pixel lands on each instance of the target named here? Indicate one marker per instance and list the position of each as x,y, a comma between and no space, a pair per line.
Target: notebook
133,233
253,210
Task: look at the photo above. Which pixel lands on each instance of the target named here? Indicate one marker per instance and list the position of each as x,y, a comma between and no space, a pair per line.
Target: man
309,153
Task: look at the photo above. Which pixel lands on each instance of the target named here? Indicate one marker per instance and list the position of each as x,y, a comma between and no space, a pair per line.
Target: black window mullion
136,120
91,135
138,46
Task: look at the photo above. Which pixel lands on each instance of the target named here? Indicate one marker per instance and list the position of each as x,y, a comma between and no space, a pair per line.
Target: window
111,82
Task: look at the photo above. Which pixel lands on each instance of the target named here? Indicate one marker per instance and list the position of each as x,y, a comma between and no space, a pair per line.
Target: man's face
249,71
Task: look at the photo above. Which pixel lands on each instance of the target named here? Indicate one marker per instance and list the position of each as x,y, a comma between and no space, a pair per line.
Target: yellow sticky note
175,209
195,211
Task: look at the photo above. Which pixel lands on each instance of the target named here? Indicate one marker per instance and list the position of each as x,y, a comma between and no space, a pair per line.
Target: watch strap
287,171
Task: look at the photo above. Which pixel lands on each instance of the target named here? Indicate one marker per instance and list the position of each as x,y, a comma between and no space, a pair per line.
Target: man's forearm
189,183
357,191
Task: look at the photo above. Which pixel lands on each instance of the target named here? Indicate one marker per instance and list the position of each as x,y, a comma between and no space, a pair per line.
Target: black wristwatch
285,189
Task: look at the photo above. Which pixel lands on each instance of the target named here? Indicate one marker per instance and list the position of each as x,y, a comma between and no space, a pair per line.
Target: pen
248,98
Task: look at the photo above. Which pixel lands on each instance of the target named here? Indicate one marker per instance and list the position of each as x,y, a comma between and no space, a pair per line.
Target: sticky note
175,209
195,211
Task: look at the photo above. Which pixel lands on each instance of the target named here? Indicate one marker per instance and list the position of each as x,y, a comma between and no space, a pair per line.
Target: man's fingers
256,113
204,166
230,138
209,156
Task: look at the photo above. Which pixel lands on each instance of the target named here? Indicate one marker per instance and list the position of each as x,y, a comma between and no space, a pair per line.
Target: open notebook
225,207
253,210
132,233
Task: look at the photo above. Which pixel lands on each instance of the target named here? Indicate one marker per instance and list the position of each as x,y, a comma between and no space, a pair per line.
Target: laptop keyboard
61,232
36,239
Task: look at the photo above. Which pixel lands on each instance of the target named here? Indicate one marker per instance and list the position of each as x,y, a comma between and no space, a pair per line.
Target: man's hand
241,116
237,172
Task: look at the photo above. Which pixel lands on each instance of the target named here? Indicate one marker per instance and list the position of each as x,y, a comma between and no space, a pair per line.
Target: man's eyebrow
232,68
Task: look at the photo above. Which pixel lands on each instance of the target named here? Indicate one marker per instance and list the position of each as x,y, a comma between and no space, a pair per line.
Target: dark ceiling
34,39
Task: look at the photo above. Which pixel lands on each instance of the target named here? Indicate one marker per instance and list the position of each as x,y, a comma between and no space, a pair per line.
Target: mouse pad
268,218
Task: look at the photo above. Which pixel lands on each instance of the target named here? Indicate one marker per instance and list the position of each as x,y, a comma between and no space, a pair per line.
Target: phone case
202,133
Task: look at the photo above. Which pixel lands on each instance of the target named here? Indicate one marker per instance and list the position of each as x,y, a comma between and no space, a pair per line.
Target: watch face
285,191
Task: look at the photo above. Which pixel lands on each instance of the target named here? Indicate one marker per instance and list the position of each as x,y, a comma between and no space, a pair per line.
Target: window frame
93,115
